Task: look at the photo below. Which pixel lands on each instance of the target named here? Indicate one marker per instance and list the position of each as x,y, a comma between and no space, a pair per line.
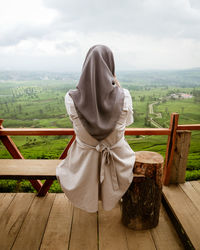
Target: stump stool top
149,157
148,165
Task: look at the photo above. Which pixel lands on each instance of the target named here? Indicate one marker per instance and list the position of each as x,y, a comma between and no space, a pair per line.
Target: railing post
170,148
181,150
1,121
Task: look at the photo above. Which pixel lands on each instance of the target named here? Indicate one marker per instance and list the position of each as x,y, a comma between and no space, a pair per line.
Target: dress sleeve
128,105
69,104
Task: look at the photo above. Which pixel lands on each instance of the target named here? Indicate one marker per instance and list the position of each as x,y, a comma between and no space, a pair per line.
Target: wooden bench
28,169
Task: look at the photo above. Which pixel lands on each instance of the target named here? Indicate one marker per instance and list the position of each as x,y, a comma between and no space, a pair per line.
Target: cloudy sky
55,35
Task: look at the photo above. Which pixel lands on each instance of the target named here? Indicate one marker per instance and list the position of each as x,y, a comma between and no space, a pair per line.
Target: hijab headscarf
97,99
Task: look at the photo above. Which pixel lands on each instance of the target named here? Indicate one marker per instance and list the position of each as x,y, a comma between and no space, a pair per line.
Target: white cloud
55,35
23,19
159,18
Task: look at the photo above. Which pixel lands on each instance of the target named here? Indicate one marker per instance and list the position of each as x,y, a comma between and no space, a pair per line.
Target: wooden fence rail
70,131
5,134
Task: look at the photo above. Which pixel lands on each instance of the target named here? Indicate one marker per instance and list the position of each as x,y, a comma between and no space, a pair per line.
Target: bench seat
28,169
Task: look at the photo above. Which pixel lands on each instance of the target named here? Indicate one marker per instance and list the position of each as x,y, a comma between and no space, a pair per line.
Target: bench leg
16,154
44,189
37,184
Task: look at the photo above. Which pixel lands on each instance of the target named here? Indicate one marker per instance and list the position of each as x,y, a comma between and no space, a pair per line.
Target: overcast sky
55,35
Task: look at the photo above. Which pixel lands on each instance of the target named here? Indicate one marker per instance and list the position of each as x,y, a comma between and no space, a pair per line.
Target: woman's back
96,170
125,119
100,162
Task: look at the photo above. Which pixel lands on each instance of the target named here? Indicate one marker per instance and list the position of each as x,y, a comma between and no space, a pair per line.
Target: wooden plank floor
51,222
184,202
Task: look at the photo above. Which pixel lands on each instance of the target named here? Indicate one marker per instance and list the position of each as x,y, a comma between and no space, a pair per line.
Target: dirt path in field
158,115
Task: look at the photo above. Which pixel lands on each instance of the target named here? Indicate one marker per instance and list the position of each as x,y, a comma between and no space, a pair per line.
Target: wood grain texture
141,202
5,200
57,233
179,162
185,211
164,235
196,185
34,225
192,194
13,218
170,148
148,157
139,240
112,235
28,169
84,231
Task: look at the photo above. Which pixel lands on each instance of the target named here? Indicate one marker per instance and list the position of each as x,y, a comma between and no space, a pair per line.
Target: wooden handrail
36,131
70,131
189,127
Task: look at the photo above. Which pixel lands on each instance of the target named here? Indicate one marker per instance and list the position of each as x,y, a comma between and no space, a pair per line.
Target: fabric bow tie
105,150
106,160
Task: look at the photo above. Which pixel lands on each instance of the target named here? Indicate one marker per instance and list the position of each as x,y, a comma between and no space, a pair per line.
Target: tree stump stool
141,203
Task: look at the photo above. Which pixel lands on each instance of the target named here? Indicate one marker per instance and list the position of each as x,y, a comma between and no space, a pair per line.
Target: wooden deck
183,201
51,222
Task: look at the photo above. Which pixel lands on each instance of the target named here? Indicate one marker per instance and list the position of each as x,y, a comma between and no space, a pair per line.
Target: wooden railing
5,134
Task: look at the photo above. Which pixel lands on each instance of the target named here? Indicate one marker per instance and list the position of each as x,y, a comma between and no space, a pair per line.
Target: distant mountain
187,77
37,75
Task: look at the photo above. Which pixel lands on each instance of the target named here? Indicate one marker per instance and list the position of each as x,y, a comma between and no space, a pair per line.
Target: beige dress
95,171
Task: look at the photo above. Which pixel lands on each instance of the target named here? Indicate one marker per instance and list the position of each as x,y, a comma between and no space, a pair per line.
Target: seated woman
99,164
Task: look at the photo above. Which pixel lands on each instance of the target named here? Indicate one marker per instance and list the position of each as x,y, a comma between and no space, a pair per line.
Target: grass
41,104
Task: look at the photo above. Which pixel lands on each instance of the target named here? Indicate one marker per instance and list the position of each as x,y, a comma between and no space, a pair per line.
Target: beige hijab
97,99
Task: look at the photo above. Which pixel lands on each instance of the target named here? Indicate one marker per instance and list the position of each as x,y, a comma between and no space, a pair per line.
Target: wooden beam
1,121
70,131
181,150
64,153
11,147
147,131
45,187
170,148
29,169
37,131
189,127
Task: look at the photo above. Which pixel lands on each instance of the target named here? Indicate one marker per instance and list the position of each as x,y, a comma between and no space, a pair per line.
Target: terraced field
41,104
